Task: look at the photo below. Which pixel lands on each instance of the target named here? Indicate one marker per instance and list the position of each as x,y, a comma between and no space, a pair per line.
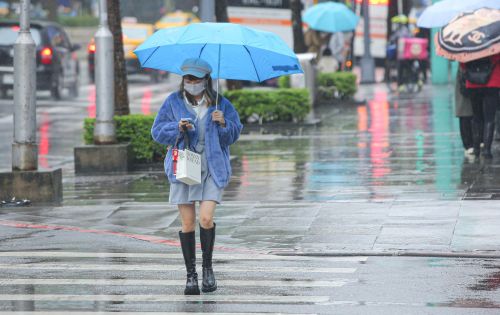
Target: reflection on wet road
384,150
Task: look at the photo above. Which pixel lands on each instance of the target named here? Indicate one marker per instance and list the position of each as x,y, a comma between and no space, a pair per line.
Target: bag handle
186,138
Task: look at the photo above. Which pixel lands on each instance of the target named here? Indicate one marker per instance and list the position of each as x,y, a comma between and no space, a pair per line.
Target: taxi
133,35
177,18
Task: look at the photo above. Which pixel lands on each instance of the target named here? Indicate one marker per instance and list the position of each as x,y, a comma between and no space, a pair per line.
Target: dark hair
210,93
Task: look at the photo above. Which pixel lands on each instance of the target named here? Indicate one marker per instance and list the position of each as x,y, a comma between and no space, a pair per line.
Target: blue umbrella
442,12
331,17
234,51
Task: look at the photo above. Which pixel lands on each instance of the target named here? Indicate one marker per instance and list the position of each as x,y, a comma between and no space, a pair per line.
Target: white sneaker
469,152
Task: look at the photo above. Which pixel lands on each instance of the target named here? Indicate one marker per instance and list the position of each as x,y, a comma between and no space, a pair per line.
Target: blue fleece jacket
217,138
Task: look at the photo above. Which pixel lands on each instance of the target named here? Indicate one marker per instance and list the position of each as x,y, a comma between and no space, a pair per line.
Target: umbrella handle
218,75
217,96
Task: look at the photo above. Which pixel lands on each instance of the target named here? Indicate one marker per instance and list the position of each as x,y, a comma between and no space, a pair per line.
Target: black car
57,65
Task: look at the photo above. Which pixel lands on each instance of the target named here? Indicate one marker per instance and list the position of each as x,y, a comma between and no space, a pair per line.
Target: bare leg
188,217
207,210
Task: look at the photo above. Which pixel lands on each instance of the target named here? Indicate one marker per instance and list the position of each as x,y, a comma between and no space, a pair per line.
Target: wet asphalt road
383,178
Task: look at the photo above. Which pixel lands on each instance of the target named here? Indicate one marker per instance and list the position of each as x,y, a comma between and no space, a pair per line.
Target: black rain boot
188,245
207,240
489,130
466,131
476,137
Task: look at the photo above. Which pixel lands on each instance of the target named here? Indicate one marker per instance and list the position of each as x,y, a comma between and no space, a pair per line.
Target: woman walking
485,99
192,109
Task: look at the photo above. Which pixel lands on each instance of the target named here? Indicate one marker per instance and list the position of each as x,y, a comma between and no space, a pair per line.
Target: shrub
344,82
284,82
135,129
271,105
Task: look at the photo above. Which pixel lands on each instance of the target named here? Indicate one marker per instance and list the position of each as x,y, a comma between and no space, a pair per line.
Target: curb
493,255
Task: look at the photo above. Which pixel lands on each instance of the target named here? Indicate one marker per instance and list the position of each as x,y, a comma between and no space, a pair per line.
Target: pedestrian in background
336,44
315,42
485,98
463,111
211,131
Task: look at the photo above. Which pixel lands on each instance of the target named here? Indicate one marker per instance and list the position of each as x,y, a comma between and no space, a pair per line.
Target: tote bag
186,163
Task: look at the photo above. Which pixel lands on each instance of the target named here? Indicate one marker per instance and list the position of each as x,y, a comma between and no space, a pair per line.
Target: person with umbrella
211,131
485,100
473,39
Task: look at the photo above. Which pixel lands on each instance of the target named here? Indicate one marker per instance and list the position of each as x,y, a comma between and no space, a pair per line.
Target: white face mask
195,89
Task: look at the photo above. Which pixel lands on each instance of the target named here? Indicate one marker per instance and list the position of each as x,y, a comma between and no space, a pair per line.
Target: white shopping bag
187,166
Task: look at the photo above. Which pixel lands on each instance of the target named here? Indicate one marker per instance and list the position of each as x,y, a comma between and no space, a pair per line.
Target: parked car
57,65
134,34
177,18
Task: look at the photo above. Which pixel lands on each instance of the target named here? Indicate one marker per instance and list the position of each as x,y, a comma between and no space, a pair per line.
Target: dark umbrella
470,36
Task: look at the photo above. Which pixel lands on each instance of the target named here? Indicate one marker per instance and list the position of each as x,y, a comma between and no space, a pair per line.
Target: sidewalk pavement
385,178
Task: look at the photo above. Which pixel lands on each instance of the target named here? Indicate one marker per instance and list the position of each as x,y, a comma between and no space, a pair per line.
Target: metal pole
104,131
400,7
367,61
207,10
24,147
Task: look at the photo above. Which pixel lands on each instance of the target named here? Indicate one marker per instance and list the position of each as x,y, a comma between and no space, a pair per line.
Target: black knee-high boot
207,240
489,130
188,244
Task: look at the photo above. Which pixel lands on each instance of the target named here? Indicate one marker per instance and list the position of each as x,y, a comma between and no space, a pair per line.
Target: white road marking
134,313
156,282
273,299
167,267
178,256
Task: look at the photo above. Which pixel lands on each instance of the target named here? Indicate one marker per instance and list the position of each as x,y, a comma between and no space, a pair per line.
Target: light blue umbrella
331,17
233,51
442,12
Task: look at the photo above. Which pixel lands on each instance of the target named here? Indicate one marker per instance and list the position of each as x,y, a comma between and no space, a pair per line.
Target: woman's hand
218,116
186,123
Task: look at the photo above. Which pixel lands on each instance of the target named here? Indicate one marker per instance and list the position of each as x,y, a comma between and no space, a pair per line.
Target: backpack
479,71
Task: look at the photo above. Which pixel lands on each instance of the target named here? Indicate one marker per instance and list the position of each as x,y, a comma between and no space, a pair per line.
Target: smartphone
190,121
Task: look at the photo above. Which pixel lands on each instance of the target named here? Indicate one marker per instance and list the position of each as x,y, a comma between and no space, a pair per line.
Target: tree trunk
120,77
299,45
222,16
51,7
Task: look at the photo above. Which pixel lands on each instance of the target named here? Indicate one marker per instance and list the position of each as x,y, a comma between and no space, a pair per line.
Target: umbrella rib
253,63
201,50
144,64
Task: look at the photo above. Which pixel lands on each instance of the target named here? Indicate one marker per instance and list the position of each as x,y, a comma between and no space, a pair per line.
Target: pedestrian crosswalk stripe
134,313
270,299
156,282
169,267
176,256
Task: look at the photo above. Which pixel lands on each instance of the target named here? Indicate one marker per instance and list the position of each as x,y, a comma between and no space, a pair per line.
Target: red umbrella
470,36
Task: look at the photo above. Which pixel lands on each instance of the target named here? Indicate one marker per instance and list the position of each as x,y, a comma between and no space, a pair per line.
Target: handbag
186,163
479,71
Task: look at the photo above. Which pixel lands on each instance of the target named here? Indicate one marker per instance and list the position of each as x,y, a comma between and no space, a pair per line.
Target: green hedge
135,129
279,105
283,105
284,82
344,83
81,20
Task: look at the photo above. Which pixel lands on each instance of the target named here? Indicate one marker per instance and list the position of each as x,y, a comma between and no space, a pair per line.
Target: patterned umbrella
470,36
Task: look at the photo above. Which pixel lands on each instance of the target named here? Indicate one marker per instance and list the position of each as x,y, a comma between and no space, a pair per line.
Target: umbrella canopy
331,17
233,51
442,12
470,36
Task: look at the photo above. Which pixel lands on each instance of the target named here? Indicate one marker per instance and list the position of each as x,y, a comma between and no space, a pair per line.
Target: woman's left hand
218,116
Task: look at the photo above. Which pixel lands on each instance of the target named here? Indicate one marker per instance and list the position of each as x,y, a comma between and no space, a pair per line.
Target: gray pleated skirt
181,193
